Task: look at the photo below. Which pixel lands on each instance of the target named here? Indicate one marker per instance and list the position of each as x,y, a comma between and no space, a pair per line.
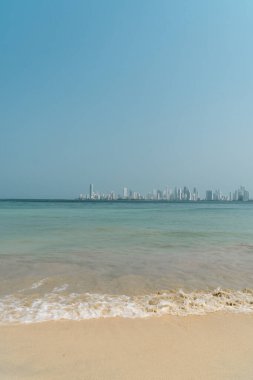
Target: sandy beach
215,346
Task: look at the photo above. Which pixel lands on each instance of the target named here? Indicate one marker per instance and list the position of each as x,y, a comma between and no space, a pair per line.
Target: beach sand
215,346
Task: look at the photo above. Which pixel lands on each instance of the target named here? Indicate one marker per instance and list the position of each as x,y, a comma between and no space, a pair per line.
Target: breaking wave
56,305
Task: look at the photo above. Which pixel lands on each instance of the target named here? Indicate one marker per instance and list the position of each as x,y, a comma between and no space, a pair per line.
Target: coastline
214,346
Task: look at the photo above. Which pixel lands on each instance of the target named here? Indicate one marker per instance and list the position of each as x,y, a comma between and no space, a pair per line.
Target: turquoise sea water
80,260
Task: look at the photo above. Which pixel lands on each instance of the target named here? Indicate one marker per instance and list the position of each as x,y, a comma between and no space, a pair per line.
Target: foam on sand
58,305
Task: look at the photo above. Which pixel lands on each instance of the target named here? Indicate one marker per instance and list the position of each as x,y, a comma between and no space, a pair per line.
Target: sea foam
59,306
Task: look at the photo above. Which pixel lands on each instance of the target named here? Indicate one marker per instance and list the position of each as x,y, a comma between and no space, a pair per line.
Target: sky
136,93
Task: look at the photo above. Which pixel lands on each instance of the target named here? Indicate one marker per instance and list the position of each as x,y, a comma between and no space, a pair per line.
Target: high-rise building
246,196
167,193
217,195
209,195
195,194
243,194
175,194
159,195
91,191
235,196
131,194
125,193
186,195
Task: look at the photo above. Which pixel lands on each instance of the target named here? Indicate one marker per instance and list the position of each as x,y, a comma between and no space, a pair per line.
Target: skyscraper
209,195
125,192
91,191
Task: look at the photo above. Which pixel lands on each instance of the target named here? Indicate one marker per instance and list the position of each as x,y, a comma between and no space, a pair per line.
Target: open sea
80,260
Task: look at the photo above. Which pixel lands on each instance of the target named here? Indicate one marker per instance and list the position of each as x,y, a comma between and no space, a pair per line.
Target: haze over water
56,254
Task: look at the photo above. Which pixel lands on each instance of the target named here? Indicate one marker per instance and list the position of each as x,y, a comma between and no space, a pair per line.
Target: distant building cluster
238,195
177,194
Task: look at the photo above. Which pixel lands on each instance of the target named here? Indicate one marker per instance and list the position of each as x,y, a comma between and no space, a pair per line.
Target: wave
55,305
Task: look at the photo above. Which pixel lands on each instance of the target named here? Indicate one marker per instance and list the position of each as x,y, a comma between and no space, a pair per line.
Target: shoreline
60,305
214,346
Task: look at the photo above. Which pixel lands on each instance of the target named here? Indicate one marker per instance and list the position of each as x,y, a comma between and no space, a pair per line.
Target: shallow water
67,259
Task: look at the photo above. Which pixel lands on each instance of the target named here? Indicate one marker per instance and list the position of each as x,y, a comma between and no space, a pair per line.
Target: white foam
55,306
61,288
35,285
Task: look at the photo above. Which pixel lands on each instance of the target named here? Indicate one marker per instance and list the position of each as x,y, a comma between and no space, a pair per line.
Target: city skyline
168,194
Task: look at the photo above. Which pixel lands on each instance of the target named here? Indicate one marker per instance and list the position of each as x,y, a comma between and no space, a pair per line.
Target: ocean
79,260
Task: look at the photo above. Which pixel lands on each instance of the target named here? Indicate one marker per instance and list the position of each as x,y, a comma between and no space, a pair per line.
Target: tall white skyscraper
125,192
91,191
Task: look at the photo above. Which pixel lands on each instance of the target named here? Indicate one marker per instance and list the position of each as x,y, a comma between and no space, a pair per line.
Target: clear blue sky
131,93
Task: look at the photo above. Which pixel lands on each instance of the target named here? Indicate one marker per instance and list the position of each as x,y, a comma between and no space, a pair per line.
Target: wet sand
215,346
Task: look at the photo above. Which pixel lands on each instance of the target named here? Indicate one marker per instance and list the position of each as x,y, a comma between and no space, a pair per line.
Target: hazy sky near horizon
137,93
